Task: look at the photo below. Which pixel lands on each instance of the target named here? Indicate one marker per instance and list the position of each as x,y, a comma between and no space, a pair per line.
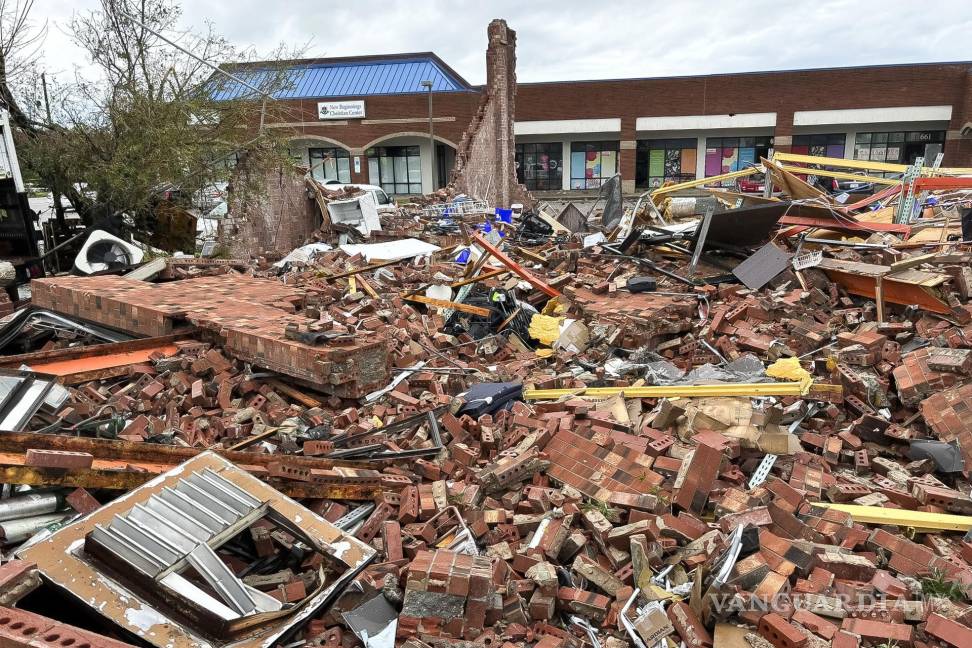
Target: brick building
366,120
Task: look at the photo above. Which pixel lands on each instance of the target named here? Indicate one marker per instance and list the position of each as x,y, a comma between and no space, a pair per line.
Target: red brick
949,631
59,459
780,632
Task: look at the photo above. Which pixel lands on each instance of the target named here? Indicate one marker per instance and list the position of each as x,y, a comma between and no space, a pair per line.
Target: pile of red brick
536,523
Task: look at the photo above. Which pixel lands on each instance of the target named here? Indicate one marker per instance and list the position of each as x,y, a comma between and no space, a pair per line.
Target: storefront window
592,163
899,147
396,169
539,166
831,145
665,159
728,154
330,164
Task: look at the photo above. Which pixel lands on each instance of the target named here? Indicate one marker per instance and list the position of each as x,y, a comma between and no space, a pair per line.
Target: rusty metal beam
116,479
124,452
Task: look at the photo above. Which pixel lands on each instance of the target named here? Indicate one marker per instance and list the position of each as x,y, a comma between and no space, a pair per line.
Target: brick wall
485,160
269,211
779,92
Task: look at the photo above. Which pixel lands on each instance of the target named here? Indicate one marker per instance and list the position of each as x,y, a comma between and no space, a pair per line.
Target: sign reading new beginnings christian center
340,110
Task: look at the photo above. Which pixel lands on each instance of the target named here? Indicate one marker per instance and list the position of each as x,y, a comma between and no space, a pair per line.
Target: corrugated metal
393,76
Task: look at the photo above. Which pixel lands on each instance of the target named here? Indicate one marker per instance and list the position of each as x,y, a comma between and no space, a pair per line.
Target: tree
145,126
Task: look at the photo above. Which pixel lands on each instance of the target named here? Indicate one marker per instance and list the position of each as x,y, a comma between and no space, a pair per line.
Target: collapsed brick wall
485,162
269,210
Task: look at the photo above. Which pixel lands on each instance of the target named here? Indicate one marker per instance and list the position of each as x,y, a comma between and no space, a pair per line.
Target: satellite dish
103,251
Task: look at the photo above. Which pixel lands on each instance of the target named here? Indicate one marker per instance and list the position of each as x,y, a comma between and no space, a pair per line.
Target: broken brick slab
248,314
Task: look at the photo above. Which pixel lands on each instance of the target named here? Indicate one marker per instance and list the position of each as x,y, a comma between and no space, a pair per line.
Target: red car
755,183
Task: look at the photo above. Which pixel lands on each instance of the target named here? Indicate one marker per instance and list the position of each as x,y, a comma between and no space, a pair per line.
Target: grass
939,586
597,505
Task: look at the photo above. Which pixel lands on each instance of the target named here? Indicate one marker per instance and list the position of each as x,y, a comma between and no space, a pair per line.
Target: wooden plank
296,394
481,277
557,227
911,262
442,303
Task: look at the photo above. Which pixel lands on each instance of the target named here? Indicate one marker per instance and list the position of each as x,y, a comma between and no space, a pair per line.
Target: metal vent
178,527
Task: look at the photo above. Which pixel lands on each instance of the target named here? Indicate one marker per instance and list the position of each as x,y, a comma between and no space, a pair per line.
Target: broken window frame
123,598
378,451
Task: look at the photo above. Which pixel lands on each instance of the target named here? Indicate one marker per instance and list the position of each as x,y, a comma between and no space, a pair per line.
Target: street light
428,86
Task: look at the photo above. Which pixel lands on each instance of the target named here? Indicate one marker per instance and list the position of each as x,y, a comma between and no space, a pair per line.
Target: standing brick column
783,133
485,166
958,138
628,155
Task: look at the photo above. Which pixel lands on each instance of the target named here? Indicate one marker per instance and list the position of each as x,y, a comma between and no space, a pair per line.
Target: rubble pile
479,428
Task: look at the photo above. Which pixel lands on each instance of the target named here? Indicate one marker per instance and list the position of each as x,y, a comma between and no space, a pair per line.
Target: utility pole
58,207
428,86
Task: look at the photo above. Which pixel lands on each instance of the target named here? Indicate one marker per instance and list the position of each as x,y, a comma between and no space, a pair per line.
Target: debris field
710,420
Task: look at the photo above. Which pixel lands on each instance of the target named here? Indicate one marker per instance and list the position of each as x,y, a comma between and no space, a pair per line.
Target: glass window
829,145
539,166
728,154
659,160
396,169
592,163
899,147
330,164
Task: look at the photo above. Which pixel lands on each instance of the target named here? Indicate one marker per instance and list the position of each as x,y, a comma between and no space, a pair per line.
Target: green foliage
938,585
597,505
144,129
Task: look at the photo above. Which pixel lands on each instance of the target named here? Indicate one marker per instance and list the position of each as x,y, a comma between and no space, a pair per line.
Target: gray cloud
569,39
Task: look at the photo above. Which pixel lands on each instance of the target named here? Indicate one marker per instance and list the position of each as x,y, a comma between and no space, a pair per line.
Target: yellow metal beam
864,164
917,520
841,175
704,181
672,391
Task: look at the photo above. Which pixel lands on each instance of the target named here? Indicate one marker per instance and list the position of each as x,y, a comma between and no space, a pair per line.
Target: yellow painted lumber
918,520
841,175
867,165
704,181
673,391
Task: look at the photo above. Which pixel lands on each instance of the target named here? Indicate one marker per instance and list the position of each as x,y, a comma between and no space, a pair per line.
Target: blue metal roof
348,79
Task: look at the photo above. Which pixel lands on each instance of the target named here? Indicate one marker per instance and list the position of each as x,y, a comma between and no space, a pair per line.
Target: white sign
340,110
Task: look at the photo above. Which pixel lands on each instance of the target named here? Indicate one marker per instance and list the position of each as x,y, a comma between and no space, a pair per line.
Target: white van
385,204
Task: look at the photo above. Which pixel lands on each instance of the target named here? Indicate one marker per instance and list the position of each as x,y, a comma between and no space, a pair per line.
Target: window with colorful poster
823,145
592,163
539,165
728,154
660,160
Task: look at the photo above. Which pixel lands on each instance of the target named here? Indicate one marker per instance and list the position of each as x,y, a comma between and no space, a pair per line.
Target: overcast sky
574,39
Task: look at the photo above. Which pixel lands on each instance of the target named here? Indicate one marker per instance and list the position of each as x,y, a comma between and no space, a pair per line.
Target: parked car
385,204
755,183
837,186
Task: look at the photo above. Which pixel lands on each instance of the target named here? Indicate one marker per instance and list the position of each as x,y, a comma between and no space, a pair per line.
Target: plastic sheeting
391,250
